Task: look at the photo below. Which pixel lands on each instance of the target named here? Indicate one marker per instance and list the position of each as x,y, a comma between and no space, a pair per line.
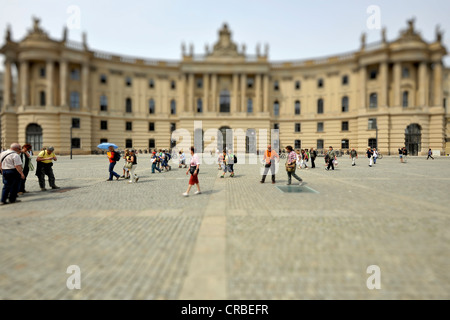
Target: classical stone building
388,94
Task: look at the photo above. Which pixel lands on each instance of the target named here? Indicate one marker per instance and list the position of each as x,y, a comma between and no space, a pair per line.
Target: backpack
116,156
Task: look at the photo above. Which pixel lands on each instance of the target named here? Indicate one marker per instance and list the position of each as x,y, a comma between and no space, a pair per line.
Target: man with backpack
113,157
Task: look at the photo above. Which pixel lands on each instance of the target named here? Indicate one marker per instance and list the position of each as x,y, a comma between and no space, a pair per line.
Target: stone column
191,104
257,105
205,92
397,86
234,97
243,93
362,86
7,85
24,82
266,93
85,85
437,76
384,84
49,73
182,93
63,82
423,84
214,93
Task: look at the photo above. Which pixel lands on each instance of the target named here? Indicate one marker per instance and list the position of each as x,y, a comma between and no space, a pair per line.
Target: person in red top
112,163
269,162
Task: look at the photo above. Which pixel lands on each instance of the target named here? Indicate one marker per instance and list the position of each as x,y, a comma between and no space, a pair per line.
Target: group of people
15,165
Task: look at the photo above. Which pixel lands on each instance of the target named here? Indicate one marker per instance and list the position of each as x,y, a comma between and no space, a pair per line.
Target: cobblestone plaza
239,239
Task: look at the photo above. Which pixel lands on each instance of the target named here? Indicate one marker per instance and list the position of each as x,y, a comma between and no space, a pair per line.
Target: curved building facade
388,94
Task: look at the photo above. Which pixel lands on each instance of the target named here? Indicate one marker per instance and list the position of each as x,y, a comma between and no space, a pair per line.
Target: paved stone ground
239,239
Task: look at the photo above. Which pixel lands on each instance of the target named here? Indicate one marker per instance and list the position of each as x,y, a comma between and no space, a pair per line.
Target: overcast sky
294,29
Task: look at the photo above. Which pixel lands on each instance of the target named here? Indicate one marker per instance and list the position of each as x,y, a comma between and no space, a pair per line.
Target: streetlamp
71,127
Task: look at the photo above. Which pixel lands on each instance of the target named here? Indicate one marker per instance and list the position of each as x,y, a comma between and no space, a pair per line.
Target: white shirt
10,161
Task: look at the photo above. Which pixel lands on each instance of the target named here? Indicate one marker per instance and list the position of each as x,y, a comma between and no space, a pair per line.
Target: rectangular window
42,72
103,79
103,140
373,74
320,144
276,126
151,84
128,143
250,83
151,143
76,143
75,122
297,127
128,81
372,124
199,83
103,125
297,85
42,98
173,127
319,126
345,144
128,126
172,85
151,126
344,126
298,144
103,103
405,72
74,99
320,83
344,80
276,86
75,74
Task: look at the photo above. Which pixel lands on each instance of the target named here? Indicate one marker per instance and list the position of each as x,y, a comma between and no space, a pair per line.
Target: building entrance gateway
413,137
34,136
225,139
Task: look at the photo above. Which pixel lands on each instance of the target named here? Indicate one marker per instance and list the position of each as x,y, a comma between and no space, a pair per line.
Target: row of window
345,143
372,125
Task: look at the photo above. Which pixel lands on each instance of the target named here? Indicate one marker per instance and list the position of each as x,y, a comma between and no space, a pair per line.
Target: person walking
370,156
25,156
112,157
182,159
133,160
291,165
194,168
126,172
155,160
331,157
11,169
45,160
353,156
404,153
430,154
375,155
228,161
400,154
270,156
313,154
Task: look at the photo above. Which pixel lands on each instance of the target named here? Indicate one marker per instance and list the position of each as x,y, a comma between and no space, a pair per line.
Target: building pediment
225,47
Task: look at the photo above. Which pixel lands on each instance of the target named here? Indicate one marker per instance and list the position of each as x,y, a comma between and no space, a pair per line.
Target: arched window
320,106
297,107
151,106
103,103
345,104
128,105
405,98
173,107
276,108
224,101
373,100
199,106
74,99
34,136
249,105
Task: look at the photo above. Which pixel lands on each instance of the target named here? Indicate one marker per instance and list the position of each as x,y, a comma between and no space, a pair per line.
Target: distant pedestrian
291,165
331,157
11,168
353,156
313,155
126,172
400,154
375,155
228,161
155,160
370,156
194,168
405,153
182,159
133,160
430,154
270,157
45,160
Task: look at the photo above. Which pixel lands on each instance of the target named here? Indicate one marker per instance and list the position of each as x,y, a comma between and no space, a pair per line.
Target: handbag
129,165
290,167
192,169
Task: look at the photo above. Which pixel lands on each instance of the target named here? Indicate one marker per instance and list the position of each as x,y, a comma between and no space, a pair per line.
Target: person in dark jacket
25,156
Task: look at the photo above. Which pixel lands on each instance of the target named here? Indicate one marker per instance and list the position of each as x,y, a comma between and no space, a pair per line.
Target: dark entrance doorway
413,137
225,139
34,136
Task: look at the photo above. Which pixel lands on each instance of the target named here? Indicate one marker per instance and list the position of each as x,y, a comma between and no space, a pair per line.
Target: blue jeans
154,167
11,179
111,171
